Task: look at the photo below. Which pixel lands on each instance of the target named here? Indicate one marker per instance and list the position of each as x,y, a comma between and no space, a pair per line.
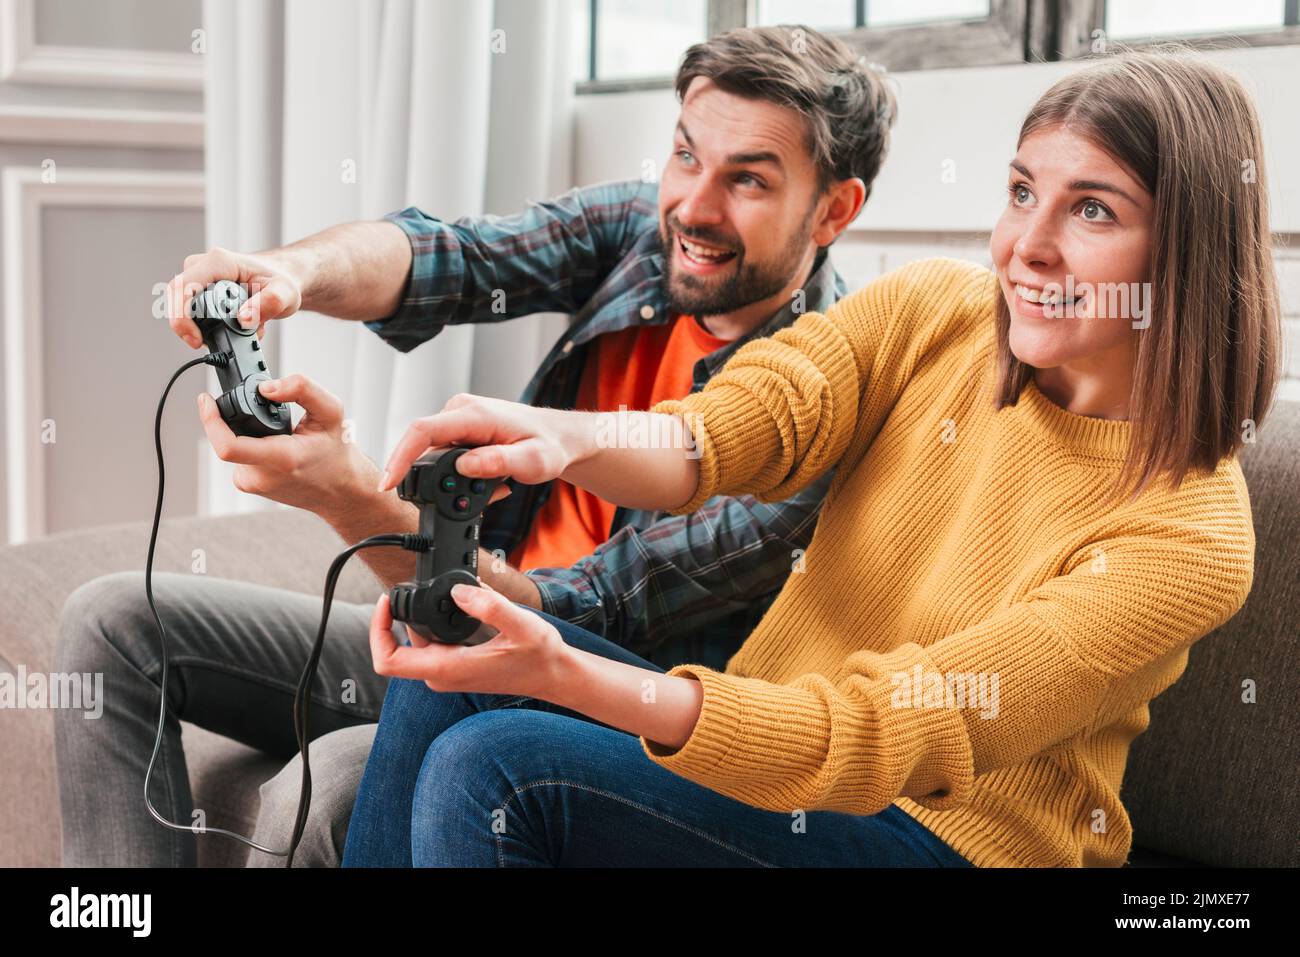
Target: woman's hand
525,658
516,440
637,459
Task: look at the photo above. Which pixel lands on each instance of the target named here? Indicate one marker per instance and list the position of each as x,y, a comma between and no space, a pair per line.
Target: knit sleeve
1111,631
783,409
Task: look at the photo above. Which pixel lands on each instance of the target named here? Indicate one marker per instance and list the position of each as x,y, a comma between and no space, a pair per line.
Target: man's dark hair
847,105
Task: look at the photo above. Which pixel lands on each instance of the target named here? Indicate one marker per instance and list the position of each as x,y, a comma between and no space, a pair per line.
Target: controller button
444,605
462,504
256,345
261,365
449,483
469,559
469,532
477,486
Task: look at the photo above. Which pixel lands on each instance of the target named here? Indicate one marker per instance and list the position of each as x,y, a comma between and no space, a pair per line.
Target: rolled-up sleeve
550,257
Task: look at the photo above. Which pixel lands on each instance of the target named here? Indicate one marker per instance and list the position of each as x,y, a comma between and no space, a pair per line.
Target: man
780,134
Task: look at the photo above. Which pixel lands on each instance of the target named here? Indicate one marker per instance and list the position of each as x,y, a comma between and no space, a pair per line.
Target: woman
1037,510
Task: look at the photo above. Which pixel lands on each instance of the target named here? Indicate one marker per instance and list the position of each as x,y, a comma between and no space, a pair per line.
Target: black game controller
451,511
246,411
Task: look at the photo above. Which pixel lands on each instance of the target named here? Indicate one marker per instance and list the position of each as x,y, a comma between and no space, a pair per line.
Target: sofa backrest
1214,778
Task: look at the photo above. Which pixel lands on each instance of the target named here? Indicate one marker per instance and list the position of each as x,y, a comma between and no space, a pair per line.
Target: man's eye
685,156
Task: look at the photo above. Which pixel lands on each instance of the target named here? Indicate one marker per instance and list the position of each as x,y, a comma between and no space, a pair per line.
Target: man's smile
701,258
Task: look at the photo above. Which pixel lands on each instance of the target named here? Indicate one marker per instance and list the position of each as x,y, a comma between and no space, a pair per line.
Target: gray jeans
235,653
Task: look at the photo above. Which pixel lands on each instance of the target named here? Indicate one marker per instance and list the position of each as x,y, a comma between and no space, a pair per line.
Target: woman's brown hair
1208,363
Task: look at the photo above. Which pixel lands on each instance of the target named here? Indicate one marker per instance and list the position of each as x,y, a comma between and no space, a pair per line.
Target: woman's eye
1095,212
685,156
1020,193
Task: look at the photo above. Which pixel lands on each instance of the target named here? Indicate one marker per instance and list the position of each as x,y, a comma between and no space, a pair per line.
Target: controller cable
302,698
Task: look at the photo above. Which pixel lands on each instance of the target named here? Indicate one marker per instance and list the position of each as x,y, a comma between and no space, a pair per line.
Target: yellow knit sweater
972,634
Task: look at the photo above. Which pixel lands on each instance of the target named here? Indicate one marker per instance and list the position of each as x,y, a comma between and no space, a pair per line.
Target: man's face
736,202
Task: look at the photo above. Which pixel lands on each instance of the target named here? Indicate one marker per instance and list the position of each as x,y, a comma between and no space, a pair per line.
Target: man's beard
748,282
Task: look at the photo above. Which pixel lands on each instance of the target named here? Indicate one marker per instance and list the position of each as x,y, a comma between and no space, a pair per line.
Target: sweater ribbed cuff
703,448
721,716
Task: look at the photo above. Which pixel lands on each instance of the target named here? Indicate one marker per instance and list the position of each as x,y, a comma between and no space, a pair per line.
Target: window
851,14
1204,23
636,40
637,44
1132,19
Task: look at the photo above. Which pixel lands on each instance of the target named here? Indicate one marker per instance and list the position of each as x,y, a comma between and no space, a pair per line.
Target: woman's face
1072,253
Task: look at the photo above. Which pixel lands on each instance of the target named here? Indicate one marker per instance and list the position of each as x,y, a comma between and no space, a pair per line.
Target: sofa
1212,782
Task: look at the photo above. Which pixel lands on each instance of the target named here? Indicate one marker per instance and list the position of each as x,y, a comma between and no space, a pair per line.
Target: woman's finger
382,641
417,640
492,607
426,662
444,428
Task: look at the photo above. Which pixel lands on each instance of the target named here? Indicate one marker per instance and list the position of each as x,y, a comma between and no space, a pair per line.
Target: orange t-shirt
633,368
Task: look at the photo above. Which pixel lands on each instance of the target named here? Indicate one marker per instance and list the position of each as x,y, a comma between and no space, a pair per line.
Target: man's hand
314,468
274,284
511,582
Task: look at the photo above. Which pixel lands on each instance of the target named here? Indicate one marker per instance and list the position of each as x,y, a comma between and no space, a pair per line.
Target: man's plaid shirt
670,588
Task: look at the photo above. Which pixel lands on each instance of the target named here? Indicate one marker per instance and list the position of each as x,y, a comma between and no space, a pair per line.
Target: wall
101,195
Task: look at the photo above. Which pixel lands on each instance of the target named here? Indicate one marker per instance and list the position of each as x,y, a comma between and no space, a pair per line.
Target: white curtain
325,111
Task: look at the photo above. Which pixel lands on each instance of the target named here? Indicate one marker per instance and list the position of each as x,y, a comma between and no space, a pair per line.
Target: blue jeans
482,780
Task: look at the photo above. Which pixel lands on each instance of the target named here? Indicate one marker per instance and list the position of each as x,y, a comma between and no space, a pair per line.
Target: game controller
451,513
245,410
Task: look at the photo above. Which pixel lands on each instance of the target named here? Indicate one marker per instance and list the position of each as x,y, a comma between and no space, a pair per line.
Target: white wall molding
147,129
23,196
24,60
